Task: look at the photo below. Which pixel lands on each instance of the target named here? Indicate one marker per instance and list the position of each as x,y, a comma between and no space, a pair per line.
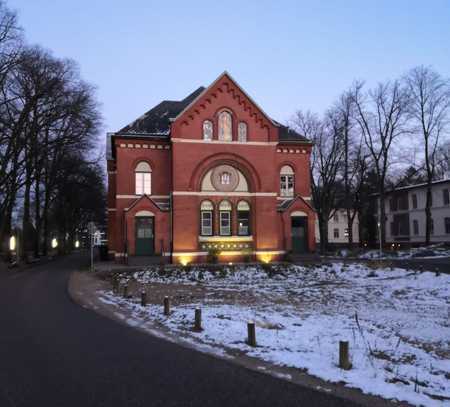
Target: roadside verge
85,289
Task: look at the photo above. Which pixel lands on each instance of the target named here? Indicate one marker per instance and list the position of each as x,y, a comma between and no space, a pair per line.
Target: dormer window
242,132
207,130
225,126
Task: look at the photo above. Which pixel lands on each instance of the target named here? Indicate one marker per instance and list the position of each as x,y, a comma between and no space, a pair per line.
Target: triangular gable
297,197
140,199
225,75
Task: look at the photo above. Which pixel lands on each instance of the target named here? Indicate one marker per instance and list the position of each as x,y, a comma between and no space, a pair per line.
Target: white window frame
243,207
143,183
206,230
285,180
225,230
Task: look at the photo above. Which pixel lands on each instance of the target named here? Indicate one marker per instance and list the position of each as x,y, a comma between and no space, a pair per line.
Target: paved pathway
55,353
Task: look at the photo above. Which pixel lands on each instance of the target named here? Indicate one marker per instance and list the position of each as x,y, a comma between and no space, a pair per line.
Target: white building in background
338,228
405,213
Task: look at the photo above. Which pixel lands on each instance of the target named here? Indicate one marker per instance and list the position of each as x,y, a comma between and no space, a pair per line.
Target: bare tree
429,107
326,158
382,115
10,44
354,162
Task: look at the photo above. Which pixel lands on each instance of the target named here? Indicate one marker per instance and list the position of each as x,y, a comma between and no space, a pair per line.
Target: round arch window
243,218
143,178
225,218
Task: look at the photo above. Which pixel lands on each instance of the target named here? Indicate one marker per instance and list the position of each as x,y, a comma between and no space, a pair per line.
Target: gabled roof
222,75
157,120
408,187
286,204
162,206
287,134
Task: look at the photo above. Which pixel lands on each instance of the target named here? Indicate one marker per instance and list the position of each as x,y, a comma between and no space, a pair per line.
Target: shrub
213,255
287,257
247,256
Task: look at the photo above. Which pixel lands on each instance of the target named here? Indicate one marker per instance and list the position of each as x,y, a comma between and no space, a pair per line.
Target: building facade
211,173
338,229
405,213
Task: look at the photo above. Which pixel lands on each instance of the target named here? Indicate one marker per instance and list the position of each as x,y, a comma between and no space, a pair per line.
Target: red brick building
209,173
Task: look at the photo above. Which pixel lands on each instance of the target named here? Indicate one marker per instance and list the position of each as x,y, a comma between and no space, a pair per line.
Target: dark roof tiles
157,120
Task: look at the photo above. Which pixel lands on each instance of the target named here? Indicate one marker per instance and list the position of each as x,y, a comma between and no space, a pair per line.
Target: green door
299,233
144,236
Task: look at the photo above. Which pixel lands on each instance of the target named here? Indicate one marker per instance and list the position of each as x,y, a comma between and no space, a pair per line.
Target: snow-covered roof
422,185
156,121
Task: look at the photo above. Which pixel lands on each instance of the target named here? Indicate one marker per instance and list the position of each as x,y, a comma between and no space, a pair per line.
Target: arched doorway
299,232
144,233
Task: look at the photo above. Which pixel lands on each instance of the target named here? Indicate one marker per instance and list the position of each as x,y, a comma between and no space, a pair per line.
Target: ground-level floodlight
54,243
12,243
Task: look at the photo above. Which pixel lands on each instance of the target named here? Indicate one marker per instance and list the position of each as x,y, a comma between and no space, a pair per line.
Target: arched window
207,130
206,218
243,218
143,178
225,126
287,181
225,218
242,132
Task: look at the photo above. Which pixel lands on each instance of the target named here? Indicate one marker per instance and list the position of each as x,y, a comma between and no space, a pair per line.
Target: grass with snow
397,322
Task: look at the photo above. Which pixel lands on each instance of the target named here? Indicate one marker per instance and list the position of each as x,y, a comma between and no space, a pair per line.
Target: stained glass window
242,132
207,130
225,126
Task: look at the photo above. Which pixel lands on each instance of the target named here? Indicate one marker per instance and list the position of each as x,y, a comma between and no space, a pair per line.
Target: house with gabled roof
212,173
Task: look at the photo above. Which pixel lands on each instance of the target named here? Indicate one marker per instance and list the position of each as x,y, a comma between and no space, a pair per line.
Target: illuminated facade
211,173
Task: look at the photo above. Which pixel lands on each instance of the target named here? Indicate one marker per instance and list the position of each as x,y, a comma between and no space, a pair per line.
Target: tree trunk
5,227
26,243
382,219
37,217
350,229
428,214
323,231
45,230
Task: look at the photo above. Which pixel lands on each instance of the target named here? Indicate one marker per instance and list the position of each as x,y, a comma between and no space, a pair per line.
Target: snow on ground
397,322
432,251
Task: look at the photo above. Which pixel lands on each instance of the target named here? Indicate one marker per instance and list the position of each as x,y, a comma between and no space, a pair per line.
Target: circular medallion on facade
224,178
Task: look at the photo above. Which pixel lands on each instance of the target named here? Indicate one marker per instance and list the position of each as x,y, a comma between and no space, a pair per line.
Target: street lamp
77,244
379,238
54,243
12,243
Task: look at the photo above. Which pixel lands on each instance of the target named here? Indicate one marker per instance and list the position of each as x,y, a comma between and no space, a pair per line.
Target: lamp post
379,238
91,229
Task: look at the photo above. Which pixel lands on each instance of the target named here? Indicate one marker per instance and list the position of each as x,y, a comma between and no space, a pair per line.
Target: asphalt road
55,353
